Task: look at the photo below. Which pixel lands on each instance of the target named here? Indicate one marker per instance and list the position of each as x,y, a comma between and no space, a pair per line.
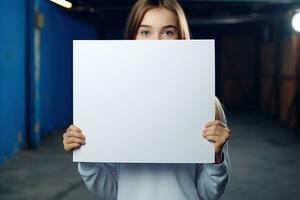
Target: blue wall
19,110
59,30
12,77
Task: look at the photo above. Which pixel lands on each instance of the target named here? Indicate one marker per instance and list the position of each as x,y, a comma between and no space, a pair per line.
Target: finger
218,141
215,122
222,130
212,128
72,146
226,136
66,134
216,133
75,134
74,128
221,140
74,140
212,138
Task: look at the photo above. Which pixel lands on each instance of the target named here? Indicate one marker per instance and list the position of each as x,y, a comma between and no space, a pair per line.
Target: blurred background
257,80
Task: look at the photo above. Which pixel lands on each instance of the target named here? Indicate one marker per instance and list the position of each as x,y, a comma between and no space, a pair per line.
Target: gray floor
264,154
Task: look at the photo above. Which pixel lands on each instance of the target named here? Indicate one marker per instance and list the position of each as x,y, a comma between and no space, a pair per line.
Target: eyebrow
167,26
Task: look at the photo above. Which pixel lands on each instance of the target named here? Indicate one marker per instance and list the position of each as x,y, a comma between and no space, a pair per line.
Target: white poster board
144,101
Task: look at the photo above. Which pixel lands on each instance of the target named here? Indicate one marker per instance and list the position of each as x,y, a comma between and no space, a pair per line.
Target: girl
160,19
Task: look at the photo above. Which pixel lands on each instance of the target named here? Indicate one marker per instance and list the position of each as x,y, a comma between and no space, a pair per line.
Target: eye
168,33
145,33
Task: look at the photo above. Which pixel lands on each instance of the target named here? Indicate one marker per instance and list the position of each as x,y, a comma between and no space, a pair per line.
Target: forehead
159,17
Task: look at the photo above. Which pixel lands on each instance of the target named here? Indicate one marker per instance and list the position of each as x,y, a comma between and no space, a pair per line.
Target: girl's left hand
218,133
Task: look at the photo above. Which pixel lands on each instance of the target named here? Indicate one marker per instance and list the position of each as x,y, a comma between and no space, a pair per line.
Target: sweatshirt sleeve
100,179
211,179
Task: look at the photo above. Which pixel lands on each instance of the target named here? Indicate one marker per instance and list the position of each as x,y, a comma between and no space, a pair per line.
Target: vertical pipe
36,139
28,57
33,77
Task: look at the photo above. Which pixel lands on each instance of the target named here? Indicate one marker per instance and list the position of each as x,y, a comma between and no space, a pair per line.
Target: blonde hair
140,8
219,111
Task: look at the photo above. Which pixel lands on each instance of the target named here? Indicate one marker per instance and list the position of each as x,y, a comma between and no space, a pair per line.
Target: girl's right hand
73,138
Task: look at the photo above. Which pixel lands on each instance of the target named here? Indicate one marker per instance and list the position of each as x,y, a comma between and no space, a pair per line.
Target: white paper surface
144,101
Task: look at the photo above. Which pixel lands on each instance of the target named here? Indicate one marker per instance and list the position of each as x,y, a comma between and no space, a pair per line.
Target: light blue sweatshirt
144,181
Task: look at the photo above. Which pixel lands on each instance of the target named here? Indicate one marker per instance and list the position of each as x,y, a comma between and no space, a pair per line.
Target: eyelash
142,32
167,33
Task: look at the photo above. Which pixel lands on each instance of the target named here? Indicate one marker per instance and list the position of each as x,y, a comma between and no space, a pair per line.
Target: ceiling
198,11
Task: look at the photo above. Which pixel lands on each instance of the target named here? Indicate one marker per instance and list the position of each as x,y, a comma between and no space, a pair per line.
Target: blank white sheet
141,101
